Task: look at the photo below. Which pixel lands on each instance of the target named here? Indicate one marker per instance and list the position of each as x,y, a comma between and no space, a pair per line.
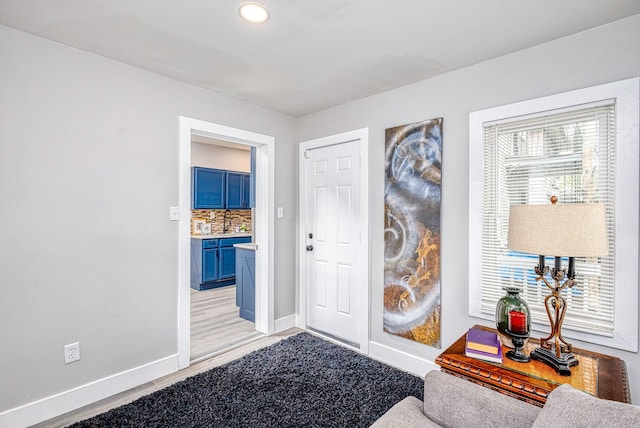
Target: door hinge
307,154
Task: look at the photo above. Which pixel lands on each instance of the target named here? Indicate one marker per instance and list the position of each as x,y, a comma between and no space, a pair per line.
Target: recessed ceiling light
254,13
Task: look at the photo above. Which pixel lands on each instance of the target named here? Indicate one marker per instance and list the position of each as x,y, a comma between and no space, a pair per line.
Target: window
581,146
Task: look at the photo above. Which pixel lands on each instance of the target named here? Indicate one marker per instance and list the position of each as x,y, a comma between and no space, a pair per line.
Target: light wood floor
215,324
212,349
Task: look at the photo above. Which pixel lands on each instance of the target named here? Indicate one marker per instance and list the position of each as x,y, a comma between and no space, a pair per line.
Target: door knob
309,247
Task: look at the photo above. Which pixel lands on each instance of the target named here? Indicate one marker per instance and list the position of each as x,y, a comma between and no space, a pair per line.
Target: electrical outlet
71,352
212,215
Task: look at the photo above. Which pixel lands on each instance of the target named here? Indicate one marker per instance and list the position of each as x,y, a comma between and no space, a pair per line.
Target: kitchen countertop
223,235
249,246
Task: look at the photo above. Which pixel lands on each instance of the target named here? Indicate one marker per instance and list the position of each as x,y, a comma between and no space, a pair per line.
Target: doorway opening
222,307
262,224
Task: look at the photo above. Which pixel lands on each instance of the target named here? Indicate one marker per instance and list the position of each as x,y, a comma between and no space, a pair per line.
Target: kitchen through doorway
208,316
217,323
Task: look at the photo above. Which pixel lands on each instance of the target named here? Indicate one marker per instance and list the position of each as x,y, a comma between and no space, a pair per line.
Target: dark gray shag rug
301,381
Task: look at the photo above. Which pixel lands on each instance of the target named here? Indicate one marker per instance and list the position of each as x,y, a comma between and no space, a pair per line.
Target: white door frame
363,136
264,225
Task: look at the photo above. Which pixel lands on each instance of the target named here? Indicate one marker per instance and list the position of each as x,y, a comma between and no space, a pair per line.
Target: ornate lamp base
561,365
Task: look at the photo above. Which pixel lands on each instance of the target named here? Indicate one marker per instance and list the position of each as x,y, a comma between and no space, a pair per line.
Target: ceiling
312,54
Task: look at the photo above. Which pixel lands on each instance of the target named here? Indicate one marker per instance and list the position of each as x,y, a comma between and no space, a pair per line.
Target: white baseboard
59,404
402,360
282,324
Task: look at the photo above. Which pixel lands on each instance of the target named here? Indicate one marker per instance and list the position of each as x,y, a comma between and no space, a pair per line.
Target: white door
333,241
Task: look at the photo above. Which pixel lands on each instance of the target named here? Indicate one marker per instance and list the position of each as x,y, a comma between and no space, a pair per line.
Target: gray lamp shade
570,230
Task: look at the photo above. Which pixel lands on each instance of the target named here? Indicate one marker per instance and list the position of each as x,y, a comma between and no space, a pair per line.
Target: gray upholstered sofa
453,402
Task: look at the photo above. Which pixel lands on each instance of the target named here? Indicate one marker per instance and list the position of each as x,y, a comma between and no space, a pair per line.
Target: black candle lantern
518,340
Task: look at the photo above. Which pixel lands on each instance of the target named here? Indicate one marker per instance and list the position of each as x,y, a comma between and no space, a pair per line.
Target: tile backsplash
234,218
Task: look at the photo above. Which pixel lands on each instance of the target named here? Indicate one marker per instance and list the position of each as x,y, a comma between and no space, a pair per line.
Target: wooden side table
597,374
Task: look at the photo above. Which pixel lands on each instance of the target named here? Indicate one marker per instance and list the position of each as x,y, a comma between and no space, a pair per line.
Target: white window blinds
569,153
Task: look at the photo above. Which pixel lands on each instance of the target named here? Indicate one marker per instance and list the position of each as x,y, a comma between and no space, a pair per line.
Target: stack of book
484,345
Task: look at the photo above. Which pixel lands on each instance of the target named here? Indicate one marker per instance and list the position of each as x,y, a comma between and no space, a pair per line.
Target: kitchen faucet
225,228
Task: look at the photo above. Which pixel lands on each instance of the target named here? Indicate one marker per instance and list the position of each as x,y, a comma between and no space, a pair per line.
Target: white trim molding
402,360
285,323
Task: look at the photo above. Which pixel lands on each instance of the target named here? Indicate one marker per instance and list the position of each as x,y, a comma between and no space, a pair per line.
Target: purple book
484,341
494,358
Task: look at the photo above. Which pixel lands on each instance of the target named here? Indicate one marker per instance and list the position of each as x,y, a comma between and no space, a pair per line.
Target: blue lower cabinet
245,283
205,260
228,256
210,257
227,263
213,262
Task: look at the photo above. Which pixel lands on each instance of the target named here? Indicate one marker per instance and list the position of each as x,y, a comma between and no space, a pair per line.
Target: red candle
518,322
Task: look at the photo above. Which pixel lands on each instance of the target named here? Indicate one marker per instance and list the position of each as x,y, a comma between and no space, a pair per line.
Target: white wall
212,156
88,169
600,55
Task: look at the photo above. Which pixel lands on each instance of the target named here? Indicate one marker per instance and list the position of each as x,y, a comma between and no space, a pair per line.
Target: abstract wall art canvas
412,197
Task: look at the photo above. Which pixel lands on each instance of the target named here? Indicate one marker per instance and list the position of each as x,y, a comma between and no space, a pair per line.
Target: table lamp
559,230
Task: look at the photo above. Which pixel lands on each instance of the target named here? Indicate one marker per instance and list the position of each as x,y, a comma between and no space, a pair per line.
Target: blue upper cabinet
208,188
219,189
246,191
234,190
238,190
